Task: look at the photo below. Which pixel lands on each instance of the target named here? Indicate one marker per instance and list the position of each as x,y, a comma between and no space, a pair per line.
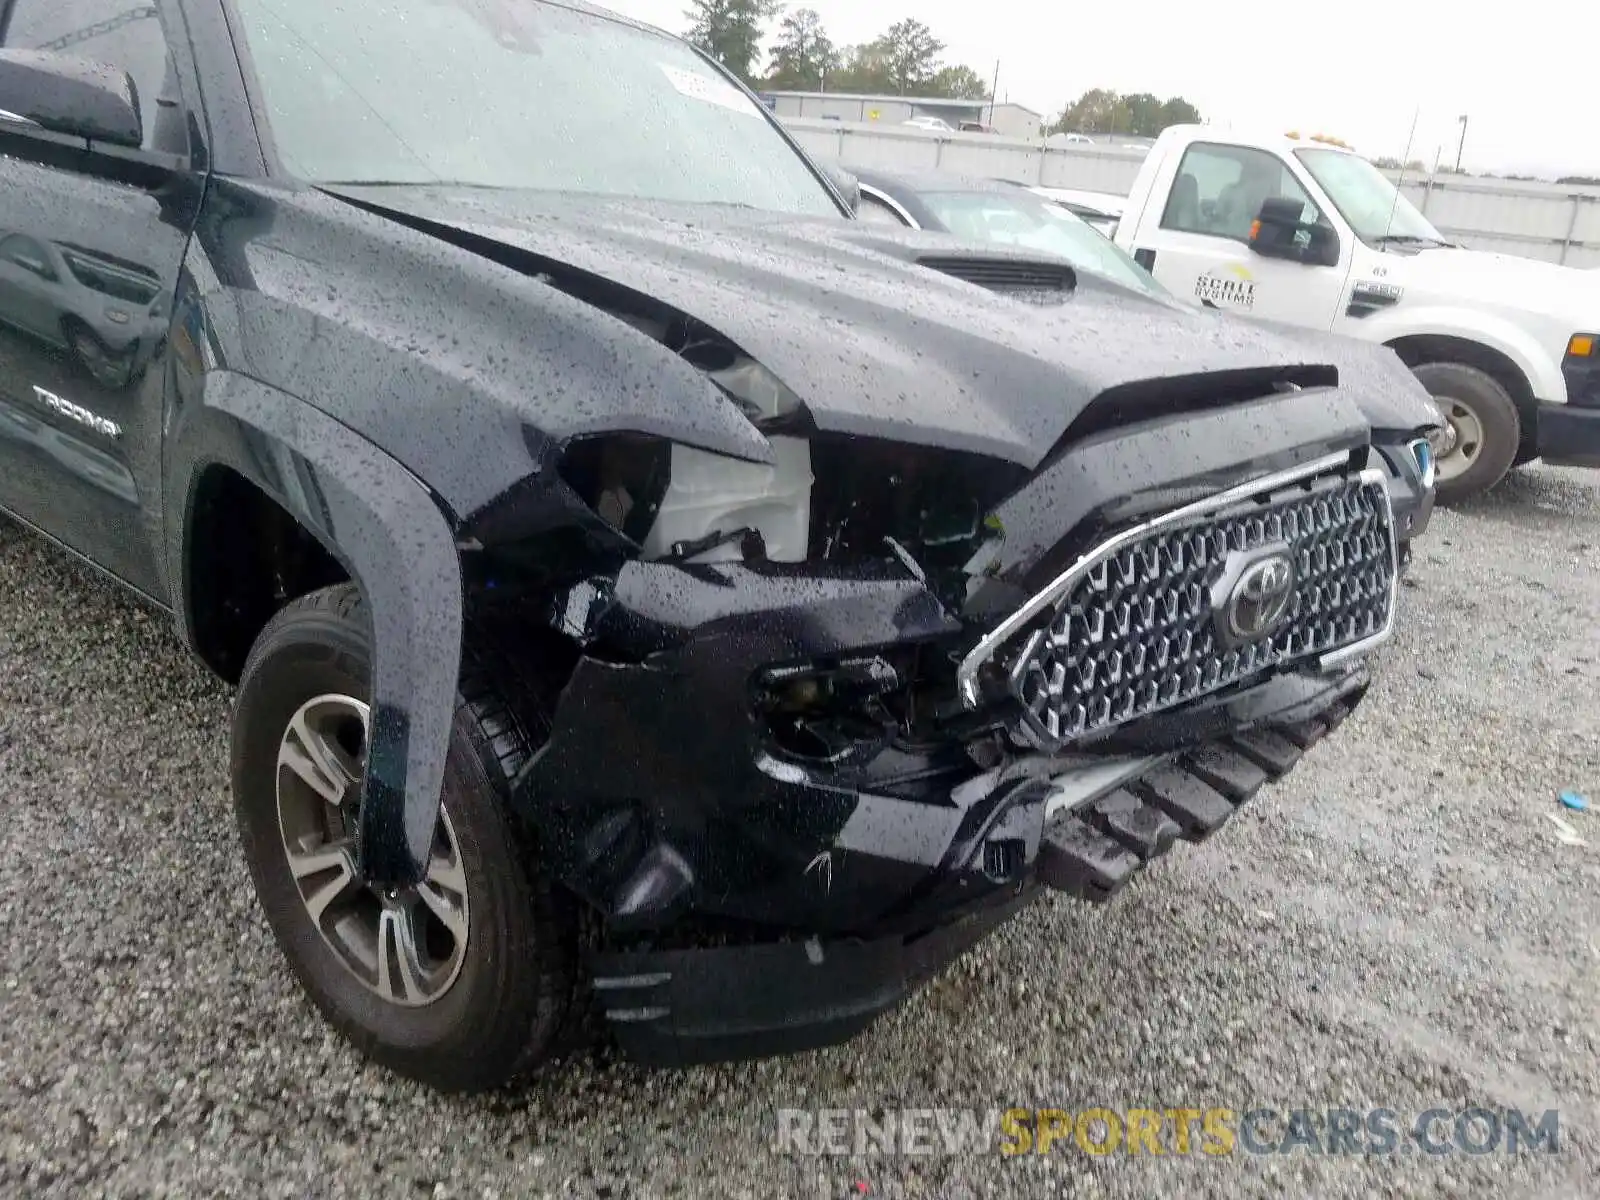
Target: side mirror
847,185
1280,232
70,95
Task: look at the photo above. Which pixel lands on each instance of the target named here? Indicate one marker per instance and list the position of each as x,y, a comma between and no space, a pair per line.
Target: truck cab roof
1262,138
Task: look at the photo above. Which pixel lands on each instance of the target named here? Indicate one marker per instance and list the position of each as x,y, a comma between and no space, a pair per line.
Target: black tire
1477,395
507,1003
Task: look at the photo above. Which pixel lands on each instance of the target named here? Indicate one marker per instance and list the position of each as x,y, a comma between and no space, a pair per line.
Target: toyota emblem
1261,597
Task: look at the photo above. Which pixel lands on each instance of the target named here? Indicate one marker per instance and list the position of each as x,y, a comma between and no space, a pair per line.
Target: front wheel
460,982
1482,433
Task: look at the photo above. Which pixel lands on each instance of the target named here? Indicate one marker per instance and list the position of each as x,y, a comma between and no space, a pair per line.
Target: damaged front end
811,726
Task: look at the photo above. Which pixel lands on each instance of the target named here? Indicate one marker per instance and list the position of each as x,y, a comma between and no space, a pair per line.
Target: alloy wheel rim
405,945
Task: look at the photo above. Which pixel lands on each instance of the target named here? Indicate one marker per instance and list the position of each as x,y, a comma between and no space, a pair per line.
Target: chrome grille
1136,628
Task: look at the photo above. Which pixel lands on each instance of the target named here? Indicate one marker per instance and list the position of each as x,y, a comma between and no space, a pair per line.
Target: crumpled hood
1501,279
870,342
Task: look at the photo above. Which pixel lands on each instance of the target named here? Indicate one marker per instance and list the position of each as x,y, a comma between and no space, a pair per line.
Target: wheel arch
253,459
245,556
1415,349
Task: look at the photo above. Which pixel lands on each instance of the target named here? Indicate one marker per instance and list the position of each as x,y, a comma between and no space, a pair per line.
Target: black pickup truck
653,595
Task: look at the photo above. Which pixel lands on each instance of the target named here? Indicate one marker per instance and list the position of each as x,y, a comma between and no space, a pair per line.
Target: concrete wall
854,109
1555,222
1009,120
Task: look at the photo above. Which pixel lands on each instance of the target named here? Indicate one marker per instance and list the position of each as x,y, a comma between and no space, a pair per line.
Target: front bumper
1410,494
753,905
1569,435
1085,831
751,899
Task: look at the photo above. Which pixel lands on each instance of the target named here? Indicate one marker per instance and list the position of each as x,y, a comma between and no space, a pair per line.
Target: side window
1219,189
119,33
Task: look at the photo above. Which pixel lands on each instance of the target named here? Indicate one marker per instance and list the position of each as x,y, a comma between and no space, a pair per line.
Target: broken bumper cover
659,794
756,902
1085,831
1408,466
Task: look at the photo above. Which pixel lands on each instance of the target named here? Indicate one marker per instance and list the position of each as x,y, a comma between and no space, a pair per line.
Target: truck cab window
119,33
1220,189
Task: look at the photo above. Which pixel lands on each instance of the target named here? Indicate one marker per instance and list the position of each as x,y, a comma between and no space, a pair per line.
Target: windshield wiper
1408,239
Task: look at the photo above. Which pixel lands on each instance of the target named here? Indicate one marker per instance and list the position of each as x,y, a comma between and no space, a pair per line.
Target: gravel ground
1396,926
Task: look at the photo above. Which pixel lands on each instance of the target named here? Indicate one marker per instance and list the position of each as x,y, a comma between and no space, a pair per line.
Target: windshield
512,94
1365,197
1036,224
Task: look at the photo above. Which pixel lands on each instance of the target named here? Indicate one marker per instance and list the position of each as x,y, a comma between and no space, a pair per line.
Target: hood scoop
1037,282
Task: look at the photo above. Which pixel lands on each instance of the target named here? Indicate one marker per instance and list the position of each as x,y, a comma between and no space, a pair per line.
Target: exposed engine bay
825,498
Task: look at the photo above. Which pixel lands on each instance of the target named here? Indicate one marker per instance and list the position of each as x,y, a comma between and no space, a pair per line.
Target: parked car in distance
1097,210
933,124
105,312
1000,213
650,591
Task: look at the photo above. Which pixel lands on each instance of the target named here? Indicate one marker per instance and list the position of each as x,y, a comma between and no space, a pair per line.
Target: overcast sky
1525,74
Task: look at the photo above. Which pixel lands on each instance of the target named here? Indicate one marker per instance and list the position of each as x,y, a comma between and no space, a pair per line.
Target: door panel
95,242
1231,276
1198,241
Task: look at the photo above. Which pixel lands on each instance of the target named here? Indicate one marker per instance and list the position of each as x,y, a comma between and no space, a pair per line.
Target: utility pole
1462,143
994,90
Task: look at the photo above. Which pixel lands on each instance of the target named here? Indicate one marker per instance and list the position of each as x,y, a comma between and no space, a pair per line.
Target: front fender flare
398,544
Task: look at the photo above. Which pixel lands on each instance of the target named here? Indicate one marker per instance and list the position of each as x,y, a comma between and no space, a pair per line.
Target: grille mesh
1136,635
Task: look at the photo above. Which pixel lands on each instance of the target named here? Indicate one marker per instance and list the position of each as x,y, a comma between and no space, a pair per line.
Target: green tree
904,61
1177,111
910,55
1144,114
1141,114
1096,111
804,57
864,69
730,30
959,83
1416,165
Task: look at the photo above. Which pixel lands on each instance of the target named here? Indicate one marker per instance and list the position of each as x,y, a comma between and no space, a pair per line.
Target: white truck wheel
1482,433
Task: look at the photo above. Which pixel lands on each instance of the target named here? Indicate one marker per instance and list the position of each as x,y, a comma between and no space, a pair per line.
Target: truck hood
871,342
1502,279
1383,387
